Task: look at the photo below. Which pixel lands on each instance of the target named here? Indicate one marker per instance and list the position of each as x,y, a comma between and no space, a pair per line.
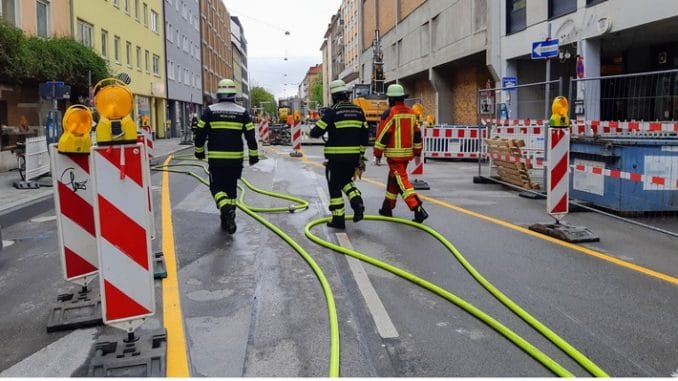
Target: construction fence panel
453,142
516,119
37,157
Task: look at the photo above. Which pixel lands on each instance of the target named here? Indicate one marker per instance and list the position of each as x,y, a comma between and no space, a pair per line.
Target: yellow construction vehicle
371,97
283,110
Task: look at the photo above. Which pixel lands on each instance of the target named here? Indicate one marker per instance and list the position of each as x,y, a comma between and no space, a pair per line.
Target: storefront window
558,8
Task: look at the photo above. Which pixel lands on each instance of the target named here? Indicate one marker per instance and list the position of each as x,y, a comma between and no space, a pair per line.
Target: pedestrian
347,137
222,125
399,139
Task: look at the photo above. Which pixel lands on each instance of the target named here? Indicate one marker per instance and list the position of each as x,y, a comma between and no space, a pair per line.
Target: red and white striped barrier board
667,182
453,142
149,191
123,237
73,203
296,136
418,167
145,136
263,131
558,181
518,122
596,127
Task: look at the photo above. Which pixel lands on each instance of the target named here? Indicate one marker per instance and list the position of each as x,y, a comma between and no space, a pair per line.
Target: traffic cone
419,171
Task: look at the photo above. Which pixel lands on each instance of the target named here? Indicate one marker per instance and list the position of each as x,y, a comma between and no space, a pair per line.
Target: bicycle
20,152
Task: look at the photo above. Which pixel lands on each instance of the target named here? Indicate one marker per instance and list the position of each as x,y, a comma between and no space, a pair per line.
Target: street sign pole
547,99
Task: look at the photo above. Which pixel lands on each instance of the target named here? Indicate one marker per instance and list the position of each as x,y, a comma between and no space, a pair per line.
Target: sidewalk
12,199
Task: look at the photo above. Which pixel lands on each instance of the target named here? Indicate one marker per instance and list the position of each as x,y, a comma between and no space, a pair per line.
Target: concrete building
350,19
435,48
184,70
613,37
305,88
332,52
240,74
217,53
129,34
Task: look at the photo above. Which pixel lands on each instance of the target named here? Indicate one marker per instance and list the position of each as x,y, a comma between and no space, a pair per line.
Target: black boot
337,222
420,214
228,219
358,209
386,210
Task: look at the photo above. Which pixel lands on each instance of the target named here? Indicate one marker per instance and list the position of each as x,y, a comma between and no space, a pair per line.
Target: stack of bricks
512,167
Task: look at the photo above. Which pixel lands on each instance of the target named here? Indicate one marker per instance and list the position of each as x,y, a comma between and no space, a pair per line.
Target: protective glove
199,155
359,170
254,160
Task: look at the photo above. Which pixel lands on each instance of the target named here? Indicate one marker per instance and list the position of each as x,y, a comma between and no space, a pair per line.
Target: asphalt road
251,306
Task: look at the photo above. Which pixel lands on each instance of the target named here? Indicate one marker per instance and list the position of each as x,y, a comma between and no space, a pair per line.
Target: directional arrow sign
544,49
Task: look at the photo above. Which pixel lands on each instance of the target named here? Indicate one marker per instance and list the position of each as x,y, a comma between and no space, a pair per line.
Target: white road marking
59,359
383,322
381,319
44,219
7,243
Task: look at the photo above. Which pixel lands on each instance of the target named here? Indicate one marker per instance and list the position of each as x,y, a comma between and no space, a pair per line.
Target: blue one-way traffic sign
544,49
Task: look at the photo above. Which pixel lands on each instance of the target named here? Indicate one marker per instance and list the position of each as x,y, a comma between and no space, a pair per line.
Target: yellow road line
177,360
581,249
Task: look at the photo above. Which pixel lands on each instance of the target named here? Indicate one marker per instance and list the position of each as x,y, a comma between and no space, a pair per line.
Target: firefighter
222,125
347,137
399,139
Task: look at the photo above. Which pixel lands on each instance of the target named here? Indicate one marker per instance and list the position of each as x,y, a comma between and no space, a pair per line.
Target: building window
138,58
128,50
590,3
116,49
146,58
558,8
42,19
170,70
8,11
126,5
515,15
145,14
154,21
136,9
104,43
156,64
115,3
85,33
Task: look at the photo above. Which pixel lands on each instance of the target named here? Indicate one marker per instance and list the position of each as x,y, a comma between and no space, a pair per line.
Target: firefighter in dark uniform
347,137
222,125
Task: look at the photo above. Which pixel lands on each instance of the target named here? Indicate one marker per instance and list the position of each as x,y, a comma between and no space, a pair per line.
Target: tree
31,60
316,91
260,97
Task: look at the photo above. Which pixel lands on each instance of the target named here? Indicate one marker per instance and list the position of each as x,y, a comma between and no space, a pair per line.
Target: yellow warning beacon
113,101
560,109
77,124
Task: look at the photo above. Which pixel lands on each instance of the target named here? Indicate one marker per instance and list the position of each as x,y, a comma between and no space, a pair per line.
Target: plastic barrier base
143,355
75,311
26,185
159,268
420,185
296,154
564,232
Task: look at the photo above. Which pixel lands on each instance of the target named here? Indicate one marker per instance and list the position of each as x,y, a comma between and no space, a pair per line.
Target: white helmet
338,86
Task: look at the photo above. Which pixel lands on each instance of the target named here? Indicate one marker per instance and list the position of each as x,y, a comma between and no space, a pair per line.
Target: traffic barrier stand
296,140
558,180
159,270
73,204
120,185
419,171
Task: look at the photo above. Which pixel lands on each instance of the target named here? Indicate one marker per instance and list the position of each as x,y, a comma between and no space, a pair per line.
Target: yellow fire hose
545,360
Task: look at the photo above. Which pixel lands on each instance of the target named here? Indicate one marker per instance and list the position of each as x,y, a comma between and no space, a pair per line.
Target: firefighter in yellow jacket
222,126
347,137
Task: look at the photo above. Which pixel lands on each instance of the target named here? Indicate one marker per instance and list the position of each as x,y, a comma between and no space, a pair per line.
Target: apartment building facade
183,62
217,50
240,72
129,35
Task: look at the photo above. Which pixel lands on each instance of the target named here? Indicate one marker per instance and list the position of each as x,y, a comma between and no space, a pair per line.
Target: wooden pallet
511,171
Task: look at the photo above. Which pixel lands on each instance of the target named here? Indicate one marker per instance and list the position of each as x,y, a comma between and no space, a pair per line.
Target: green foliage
259,94
316,91
31,60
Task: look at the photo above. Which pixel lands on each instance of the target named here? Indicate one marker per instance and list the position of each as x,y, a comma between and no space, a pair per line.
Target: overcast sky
265,23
